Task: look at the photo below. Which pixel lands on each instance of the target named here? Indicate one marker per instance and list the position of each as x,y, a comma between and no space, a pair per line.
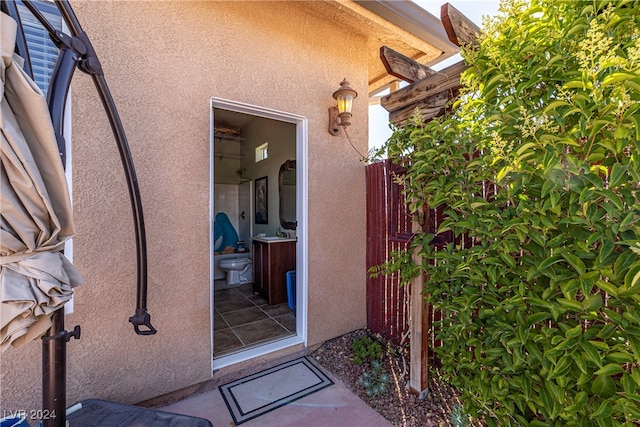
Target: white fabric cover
35,210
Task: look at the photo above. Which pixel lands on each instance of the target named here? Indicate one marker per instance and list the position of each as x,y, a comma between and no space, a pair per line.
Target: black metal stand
54,364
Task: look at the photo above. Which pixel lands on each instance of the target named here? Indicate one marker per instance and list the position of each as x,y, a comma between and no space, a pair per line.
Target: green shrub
538,167
365,349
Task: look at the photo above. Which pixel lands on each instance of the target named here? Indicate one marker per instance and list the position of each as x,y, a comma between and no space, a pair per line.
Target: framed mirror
287,194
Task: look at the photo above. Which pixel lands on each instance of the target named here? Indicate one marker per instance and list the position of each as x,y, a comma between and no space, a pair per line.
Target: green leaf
526,386
618,77
576,29
491,84
603,386
562,367
635,346
591,353
605,249
537,318
608,287
575,262
633,276
635,374
571,304
609,369
620,357
580,362
534,351
544,265
631,218
636,125
555,104
623,262
603,411
613,197
593,303
618,173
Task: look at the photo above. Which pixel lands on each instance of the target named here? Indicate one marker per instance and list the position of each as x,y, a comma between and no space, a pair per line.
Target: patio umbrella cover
35,209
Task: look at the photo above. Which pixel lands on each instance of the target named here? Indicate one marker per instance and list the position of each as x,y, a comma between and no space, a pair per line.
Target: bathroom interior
254,231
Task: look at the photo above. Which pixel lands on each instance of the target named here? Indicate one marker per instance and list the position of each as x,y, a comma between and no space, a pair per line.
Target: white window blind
42,51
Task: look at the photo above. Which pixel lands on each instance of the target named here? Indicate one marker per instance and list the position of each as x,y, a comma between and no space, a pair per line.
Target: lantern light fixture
341,114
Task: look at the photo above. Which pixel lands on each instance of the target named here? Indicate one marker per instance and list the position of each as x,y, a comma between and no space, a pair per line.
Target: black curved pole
89,63
78,51
54,344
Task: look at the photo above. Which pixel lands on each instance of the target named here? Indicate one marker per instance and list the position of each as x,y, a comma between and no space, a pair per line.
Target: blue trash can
14,421
291,290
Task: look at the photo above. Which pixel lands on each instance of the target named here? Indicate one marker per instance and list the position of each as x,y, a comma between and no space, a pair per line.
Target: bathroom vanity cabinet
271,261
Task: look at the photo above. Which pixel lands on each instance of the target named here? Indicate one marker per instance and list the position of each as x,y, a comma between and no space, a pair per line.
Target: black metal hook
142,318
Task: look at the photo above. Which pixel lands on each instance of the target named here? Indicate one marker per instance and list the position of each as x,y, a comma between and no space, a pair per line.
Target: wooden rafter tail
429,109
460,29
403,67
422,90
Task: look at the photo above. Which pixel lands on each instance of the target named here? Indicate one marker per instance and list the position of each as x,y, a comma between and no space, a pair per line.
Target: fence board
387,226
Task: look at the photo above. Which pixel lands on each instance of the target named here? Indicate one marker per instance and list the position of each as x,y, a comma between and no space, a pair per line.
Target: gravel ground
397,405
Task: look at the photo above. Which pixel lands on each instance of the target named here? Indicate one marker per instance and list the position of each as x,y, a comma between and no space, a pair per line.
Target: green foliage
365,349
375,381
538,167
401,263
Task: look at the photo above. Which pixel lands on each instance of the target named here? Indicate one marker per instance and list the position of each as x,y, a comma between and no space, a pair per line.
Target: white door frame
301,229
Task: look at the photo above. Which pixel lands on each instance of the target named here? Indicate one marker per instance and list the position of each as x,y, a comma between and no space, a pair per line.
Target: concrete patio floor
334,406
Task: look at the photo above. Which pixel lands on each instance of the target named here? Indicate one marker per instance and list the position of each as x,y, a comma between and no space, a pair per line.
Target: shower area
247,154
232,199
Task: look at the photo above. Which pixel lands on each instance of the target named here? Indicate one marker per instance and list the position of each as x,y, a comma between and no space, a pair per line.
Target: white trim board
302,185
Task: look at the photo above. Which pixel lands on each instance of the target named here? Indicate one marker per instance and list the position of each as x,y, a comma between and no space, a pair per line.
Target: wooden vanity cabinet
271,261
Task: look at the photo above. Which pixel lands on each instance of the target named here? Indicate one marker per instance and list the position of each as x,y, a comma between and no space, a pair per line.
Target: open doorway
258,208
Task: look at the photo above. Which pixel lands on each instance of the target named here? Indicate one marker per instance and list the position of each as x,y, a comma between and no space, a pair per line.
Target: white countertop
274,239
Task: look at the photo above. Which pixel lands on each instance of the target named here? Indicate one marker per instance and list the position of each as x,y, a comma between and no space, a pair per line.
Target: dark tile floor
243,319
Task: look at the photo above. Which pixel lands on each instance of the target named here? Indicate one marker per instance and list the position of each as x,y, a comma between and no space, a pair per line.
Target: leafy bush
538,174
365,349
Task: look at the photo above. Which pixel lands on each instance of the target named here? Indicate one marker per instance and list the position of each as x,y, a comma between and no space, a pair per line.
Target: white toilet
239,270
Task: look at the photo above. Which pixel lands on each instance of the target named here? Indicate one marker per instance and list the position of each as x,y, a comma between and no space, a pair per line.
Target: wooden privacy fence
390,228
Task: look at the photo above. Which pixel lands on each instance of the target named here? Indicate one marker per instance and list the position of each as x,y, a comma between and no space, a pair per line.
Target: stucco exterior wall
163,61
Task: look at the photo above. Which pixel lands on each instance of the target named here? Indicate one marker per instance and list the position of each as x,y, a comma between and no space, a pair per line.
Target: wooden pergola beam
429,109
460,29
422,90
403,67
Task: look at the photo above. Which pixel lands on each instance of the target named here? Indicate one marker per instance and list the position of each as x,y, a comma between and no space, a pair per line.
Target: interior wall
163,60
281,137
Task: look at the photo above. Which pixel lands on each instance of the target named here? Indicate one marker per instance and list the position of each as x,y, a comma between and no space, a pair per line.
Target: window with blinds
43,53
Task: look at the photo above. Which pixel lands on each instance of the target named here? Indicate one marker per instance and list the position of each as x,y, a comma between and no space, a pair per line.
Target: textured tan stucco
163,61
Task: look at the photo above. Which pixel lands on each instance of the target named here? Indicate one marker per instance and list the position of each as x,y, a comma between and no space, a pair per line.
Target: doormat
257,394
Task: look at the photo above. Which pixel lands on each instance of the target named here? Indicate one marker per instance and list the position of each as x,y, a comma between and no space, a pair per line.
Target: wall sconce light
341,115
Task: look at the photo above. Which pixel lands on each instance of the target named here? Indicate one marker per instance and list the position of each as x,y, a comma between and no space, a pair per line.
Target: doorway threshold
241,356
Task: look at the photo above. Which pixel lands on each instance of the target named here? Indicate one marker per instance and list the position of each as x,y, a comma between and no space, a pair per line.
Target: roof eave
415,20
